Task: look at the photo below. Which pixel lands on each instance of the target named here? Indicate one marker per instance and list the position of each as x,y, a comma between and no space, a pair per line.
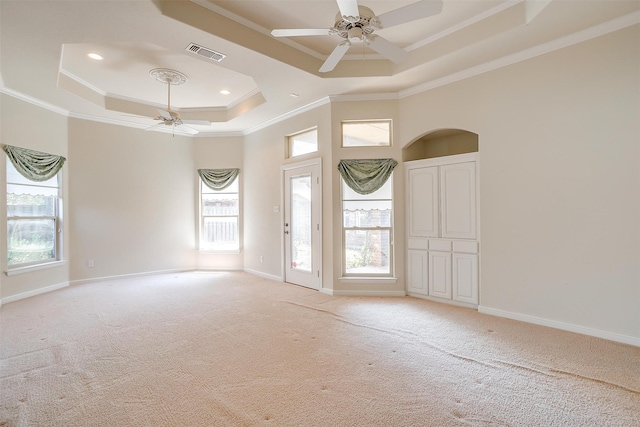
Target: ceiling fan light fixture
354,34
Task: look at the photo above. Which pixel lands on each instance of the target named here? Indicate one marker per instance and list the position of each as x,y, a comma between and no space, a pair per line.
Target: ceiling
44,47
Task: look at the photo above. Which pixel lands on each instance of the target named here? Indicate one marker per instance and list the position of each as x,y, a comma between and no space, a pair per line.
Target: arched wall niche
440,143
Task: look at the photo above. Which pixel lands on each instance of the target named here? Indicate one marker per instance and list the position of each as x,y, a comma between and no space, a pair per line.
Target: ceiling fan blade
187,129
300,32
348,7
409,13
156,126
335,57
387,49
164,113
196,122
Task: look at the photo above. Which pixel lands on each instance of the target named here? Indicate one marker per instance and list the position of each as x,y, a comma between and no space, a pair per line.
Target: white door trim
286,168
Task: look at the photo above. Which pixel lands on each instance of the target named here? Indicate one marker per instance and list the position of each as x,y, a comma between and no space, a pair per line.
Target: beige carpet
232,349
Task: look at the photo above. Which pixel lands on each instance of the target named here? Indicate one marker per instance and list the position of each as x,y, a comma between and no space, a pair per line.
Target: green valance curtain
34,165
366,176
218,179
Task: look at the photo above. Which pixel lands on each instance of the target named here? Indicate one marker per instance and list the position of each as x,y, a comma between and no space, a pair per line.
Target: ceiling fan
356,24
168,117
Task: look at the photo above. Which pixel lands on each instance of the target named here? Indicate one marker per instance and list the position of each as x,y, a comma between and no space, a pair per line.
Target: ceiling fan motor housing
355,28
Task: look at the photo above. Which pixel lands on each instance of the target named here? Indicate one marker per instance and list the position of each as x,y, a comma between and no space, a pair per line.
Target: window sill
30,268
364,279
214,252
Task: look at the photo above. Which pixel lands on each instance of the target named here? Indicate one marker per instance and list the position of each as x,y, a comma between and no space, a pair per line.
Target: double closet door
442,228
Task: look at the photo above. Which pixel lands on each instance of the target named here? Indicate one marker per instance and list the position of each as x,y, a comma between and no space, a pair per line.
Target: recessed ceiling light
95,56
294,95
225,92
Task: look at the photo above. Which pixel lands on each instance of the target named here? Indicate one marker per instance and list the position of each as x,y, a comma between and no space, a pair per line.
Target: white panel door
302,218
465,278
418,279
423,202
458,195
440,274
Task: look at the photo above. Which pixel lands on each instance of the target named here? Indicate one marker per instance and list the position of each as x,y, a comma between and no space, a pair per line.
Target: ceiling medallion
168,76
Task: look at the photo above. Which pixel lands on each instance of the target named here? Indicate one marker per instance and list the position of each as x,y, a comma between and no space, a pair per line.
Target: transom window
33,219
367,133
367,231
303,143
219,217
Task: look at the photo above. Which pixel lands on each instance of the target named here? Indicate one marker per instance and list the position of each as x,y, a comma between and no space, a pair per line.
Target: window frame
290,139
390,228
56,217
369,121
202,217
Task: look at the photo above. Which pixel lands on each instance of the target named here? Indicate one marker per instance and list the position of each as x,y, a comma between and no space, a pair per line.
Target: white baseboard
125,276
355,293
444,301
218,269
33,293
612,336
265,275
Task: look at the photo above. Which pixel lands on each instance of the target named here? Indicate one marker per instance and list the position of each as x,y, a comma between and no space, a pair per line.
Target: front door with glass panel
302,231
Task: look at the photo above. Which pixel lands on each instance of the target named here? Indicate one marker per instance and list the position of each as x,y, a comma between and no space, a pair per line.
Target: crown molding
31,100
292,113
462,25
572,39
365,97
557,44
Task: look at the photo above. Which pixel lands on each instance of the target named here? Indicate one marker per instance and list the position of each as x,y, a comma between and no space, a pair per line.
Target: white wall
559,143
131,197
264,155
50,136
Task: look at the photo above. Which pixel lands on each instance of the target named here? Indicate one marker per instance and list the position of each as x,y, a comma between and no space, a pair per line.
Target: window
219,215
33,219
303,143
367,231
370,133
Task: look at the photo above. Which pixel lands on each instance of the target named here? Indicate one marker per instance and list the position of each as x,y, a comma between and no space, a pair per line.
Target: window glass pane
219,218
21,204
220,233
31,240
303,143
383,192
219,204
367,224
232,188
367,251
301,222
374,214
366,134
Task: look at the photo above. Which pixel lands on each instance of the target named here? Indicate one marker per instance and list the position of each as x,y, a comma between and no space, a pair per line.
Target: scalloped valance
366,176
218,179
34,165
